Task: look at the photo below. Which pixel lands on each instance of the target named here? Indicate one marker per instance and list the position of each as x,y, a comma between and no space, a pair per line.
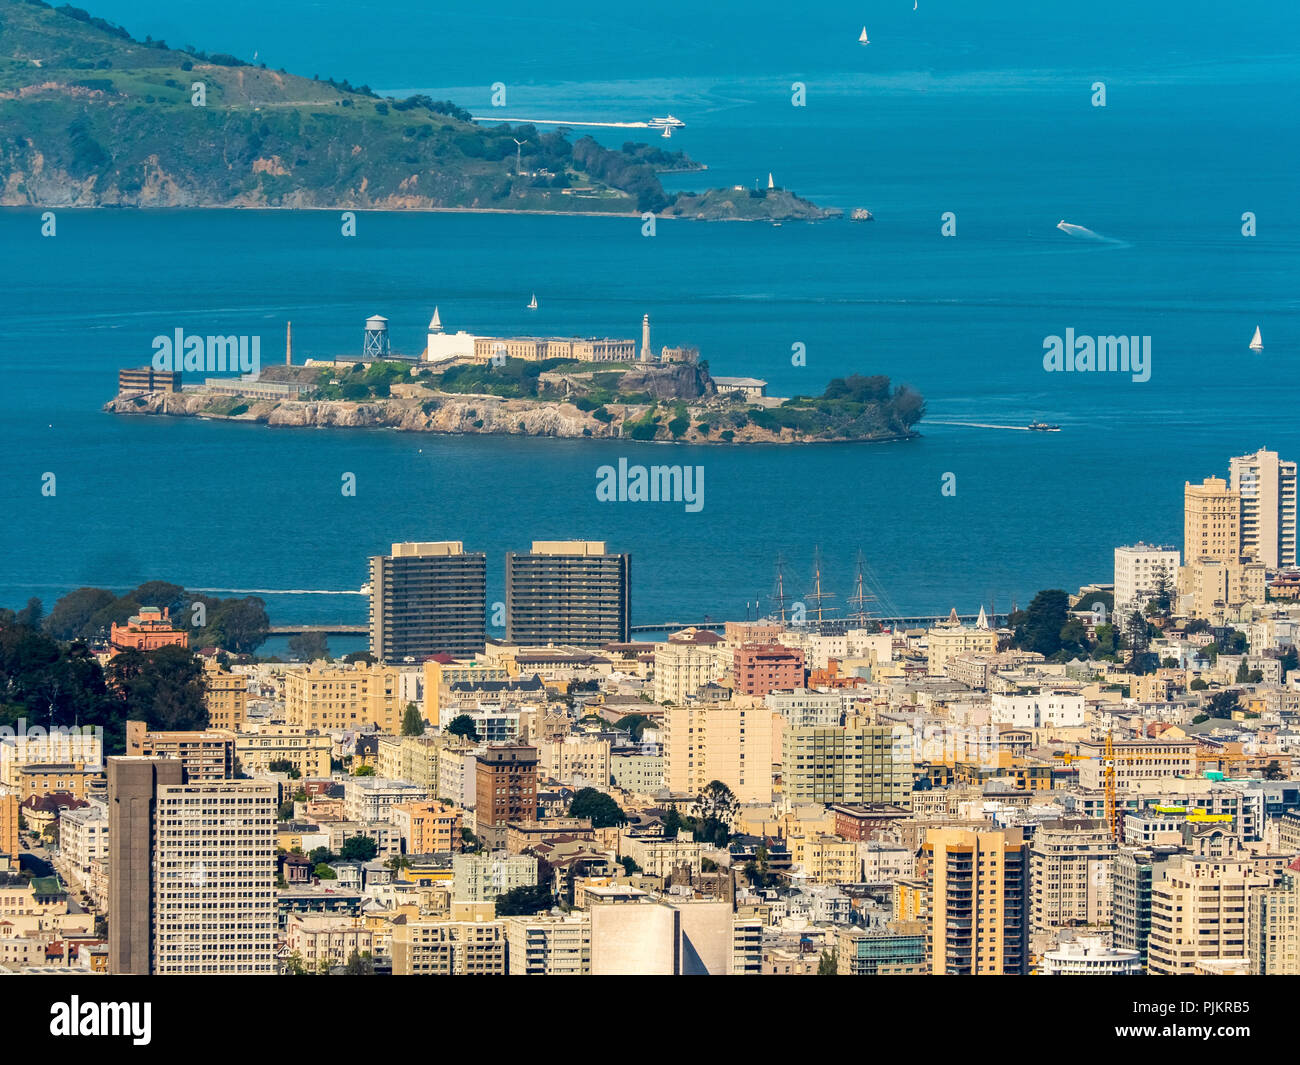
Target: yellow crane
1109,758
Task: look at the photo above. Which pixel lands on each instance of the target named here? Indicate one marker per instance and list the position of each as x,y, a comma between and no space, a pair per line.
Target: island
92,117
670,401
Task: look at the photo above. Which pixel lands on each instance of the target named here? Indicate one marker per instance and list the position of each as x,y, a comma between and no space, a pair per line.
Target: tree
364,771
1273,771
1198,685
360,964
163,687
324,872
412,722
603,810
31,614
629,865
829,963
673,822
309,646
1223,704
463,725
1039,628
322,854
70,617
359,849
718,806
523,900
283,765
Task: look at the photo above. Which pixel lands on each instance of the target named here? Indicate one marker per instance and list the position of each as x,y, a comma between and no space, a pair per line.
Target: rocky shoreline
449,414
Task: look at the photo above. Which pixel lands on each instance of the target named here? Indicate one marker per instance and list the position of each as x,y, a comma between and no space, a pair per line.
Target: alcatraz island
527,386
92,117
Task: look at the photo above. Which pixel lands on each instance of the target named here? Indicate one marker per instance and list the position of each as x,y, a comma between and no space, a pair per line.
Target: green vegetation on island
91,116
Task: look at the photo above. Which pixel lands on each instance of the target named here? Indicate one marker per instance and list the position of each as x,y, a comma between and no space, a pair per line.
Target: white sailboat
532,304
1256,342
862,37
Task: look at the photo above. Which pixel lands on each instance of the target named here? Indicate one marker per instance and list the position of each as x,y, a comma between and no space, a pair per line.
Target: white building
483,877
373,798
1268,507
214,905
1091,956
1138,570
83,835
1044,710
803,708
443,346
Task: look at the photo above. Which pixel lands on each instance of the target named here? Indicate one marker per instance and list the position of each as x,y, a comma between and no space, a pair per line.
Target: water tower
376,342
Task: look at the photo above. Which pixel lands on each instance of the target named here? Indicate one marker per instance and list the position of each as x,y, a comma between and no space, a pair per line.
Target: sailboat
532,304
862,37
1256,342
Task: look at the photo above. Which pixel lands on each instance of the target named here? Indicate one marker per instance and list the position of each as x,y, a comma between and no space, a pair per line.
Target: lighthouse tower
645,338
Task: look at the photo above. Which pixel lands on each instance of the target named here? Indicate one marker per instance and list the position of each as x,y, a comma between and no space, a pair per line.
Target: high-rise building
1134,873
978,888
856,764
730,742
1266,485
505,790
1274,925
1199,910
191,872
426,599
1070,863
1140,571
567,592
1211,521
133,786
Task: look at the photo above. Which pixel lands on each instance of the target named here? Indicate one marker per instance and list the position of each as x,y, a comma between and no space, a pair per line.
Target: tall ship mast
861,600
816,598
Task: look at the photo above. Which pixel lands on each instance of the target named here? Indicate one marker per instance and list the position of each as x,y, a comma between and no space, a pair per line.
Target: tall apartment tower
191,872
1211,521
1267,487
978,882
426,599
133,785
505,790
567,592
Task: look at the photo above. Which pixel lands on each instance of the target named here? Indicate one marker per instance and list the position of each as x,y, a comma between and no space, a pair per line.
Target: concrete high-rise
133,785
1140,571
191,872
978,881
505,790
567,592
1266,485
1070,864
426,599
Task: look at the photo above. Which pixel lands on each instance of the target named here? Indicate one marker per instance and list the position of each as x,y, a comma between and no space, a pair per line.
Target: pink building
767,667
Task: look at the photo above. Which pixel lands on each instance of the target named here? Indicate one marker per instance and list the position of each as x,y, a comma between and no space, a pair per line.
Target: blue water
982,110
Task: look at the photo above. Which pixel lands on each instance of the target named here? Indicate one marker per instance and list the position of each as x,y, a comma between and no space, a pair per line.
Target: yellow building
825,859
72,777
226,697
427,827
979,901
448,948
945,642
9,824
307,750
329,697
439,676
730,742
1211,521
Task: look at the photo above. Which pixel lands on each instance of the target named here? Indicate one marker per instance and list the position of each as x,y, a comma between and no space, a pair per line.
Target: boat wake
1084,233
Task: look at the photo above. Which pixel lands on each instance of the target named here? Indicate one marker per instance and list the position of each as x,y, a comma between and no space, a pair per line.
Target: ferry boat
1043,427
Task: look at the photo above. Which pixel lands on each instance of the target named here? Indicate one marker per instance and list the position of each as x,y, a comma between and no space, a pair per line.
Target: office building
571,592
427,599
